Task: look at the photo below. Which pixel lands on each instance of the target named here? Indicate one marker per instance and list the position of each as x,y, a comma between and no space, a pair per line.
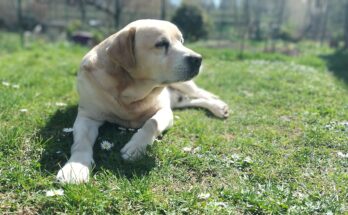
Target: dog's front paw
220,109
136,147
133,151
73,173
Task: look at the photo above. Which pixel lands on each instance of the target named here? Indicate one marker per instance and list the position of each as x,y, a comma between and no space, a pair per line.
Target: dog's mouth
184,73
190,74
186,76
193,72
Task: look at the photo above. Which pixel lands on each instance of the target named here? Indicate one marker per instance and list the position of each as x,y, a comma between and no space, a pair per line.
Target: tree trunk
258,20
82,6
281,14
117,14
324,24
247,17
19,16
346,26
245,28
235,11
278,25
163,9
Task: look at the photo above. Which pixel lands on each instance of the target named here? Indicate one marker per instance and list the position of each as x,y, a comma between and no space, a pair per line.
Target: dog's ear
121,49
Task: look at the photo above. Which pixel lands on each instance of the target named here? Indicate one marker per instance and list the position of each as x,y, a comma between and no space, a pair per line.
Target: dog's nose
194,60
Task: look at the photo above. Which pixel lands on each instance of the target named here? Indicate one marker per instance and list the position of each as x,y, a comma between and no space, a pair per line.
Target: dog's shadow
58,142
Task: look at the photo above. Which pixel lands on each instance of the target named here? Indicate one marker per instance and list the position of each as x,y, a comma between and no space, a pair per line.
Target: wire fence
233,20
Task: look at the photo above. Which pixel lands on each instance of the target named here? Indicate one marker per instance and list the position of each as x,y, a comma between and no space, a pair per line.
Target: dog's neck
140,90
131,90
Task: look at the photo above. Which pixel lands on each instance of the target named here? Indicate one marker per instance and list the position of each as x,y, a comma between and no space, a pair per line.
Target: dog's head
154,50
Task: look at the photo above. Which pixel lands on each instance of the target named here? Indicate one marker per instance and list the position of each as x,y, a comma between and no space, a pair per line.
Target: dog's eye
161,44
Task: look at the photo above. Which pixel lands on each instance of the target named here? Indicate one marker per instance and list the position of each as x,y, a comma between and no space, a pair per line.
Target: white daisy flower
106,145
342,155
329,213
6,84
247,159
299,195
235,156
197,149
187,149
285,118
219,204
58,192
60,104
68,130
23,110
203,196
121,128
344,123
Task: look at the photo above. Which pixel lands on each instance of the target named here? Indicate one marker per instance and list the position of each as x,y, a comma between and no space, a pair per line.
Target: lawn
283,150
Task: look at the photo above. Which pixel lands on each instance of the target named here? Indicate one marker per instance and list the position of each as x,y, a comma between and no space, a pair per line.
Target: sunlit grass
281,151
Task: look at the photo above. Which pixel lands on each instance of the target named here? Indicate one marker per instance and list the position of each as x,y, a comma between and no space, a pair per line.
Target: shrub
73,26
190,21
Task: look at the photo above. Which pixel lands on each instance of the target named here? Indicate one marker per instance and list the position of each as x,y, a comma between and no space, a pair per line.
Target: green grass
278,152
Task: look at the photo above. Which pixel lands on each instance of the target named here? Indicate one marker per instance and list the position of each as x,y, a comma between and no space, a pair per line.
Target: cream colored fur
132,79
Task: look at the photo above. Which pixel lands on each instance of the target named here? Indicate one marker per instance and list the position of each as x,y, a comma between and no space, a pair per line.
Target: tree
204,4
82,6
324,24
117,14
256,27
245,25
190,21
105,7
277,25
163,9
346,26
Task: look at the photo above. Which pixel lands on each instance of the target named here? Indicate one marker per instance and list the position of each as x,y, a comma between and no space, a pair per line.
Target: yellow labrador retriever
134,78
